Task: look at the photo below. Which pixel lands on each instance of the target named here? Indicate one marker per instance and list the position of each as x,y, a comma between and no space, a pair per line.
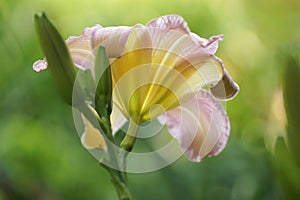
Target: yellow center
145,77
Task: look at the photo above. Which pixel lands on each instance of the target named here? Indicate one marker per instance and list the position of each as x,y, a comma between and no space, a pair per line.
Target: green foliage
287,171
291,83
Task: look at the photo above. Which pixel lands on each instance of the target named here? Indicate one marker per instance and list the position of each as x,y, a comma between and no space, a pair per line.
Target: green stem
118,177
114,161
122,189
119,184
129,140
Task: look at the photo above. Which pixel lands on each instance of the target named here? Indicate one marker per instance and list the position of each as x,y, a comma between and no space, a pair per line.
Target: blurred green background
41,156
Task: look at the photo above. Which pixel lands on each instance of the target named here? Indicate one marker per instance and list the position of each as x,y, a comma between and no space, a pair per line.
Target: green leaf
58,58
287,170
291,91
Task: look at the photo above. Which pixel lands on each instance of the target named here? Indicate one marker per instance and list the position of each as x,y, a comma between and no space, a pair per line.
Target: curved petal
201,126
117,119
226,88
174,47
171,33
126,70
113,38
210,45
171,22
168,56
92,138
135,52
138,39
178,64
81,50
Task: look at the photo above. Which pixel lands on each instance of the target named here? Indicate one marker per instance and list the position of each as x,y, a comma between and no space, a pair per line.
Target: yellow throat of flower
148,82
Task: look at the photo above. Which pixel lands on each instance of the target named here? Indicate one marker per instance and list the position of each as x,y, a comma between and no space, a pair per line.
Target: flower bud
104,88
58,58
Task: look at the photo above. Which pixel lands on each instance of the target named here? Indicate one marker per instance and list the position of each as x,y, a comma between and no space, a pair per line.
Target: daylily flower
162,70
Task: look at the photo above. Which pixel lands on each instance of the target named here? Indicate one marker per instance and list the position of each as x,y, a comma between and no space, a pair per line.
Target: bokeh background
41,156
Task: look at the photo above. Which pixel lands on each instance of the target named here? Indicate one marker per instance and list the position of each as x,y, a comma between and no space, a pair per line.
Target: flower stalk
119,183
130,138
103,106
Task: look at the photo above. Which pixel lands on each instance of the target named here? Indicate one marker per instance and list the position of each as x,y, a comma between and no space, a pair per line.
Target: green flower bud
58,58
103,96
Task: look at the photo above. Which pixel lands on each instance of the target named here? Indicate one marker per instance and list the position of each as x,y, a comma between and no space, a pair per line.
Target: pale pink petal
178,52
81,50
138,39
210,45
226,88
165,38
92,138
172,22
136,56
200,40
117,119
174,47
171,33
113,38
201,126
82,47
171,36
40,65
174,42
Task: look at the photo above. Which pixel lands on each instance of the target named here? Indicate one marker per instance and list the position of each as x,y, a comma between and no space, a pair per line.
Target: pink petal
40,65
81,50
171,33
180,53
210,45
226,88
171,22
113,38
117,119
92,138
138,39
200,125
